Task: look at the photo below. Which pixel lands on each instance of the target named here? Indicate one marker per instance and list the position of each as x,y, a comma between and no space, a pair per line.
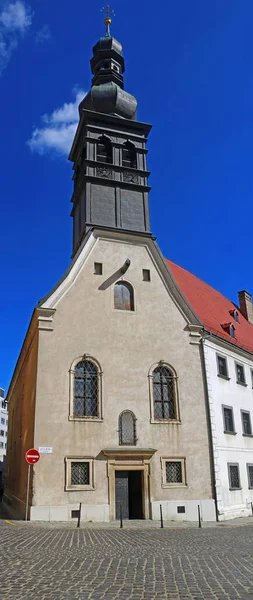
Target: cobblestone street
61,563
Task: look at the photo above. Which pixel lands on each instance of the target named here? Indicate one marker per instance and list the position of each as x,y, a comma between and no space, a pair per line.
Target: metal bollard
79,515
121,520
199,516
161,516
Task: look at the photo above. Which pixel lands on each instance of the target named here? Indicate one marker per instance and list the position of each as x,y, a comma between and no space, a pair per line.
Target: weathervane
109,13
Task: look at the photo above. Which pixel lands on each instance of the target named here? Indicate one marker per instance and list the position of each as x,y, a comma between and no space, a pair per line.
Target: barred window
80,473
129,158
104,150
173,472
127,428
250,476
234,479
228,420
86,389
123,296
164,389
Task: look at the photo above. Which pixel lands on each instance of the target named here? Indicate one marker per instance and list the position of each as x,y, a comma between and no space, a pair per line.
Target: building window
240,375
173,472
222,366
1,444
127,428
164,393
104,150
246,423
2,421
228,419
79,473
1,393
234,477
129,158
250,476
2,432
146,274
234,314
123,296
86,389
98,268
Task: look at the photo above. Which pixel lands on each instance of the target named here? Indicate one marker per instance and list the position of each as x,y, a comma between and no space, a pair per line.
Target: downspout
213,477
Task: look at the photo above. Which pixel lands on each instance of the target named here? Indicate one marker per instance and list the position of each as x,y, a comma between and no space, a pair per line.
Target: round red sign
32,456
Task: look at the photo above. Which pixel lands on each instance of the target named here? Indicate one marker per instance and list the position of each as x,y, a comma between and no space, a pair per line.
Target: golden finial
109,12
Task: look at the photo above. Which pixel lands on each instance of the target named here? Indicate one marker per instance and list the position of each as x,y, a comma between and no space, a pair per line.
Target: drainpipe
213,477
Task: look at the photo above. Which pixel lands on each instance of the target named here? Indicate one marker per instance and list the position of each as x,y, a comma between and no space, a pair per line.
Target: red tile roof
212,308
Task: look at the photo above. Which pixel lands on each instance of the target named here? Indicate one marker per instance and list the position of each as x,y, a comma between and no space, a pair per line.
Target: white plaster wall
126,344
230,448
4,428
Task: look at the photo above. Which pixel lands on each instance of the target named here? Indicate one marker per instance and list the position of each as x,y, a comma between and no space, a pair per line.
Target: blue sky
190,64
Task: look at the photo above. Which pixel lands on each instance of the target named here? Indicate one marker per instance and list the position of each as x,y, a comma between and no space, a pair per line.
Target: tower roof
107,94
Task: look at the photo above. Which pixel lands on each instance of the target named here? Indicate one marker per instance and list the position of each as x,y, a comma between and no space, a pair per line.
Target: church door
128,494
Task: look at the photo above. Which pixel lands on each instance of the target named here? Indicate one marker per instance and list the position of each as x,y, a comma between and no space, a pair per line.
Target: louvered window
129,158
104,150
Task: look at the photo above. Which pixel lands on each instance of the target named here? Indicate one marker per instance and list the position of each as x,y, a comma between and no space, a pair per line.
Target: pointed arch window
104,150
123,296
127,428
86,388
164,384
129,156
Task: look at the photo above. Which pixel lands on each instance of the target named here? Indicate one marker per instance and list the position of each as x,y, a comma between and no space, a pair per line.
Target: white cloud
15,20
59,129
43,35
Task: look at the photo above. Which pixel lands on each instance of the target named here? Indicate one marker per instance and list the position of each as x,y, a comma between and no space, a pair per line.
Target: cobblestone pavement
39,563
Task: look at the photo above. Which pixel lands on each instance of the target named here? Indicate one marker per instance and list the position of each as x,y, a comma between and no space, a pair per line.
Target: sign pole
27,491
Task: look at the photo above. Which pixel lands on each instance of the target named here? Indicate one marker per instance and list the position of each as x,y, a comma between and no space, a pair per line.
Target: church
111,378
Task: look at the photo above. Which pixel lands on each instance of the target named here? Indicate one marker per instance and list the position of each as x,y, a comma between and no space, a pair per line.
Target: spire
107,93
109,12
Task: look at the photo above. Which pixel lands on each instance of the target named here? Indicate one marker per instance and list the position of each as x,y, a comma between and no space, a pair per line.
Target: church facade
110,375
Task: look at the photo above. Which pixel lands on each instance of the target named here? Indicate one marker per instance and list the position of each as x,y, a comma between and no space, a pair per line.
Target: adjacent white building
227,353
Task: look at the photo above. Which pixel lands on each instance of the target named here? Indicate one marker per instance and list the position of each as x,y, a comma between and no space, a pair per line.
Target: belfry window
164,393
123,296
129,157
104,150
127,428
86,389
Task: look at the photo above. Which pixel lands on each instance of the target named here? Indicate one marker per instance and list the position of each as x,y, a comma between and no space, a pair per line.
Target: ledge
231,432
242,383
129,451
247,435
235,489
223,377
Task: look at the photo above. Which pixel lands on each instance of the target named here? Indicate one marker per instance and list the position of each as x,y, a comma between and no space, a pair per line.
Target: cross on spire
109,13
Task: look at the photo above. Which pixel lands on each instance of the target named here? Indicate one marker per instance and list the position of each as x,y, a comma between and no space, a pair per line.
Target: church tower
109,151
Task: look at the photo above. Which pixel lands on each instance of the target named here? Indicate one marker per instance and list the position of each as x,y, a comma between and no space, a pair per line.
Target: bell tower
109,150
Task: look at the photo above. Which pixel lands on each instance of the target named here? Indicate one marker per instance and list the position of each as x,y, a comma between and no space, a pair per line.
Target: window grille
173,472
246,423
80,473
228,420
164,393
222,366
234,477
240,374
104,150
86,389
127,429
250,476
123,296
129,158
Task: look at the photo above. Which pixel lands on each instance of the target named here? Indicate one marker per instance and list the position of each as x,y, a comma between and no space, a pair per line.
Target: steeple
109,150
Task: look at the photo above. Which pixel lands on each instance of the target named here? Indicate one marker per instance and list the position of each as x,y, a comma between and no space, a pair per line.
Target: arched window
104,150
127,428
123,296
85,389
129,158
164,393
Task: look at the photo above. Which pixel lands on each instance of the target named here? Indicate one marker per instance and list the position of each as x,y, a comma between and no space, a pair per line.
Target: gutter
213,477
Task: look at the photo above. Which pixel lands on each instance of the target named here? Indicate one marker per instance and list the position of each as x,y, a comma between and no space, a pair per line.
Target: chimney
246,307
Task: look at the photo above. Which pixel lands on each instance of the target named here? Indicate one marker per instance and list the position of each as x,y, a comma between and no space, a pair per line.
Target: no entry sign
32,456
